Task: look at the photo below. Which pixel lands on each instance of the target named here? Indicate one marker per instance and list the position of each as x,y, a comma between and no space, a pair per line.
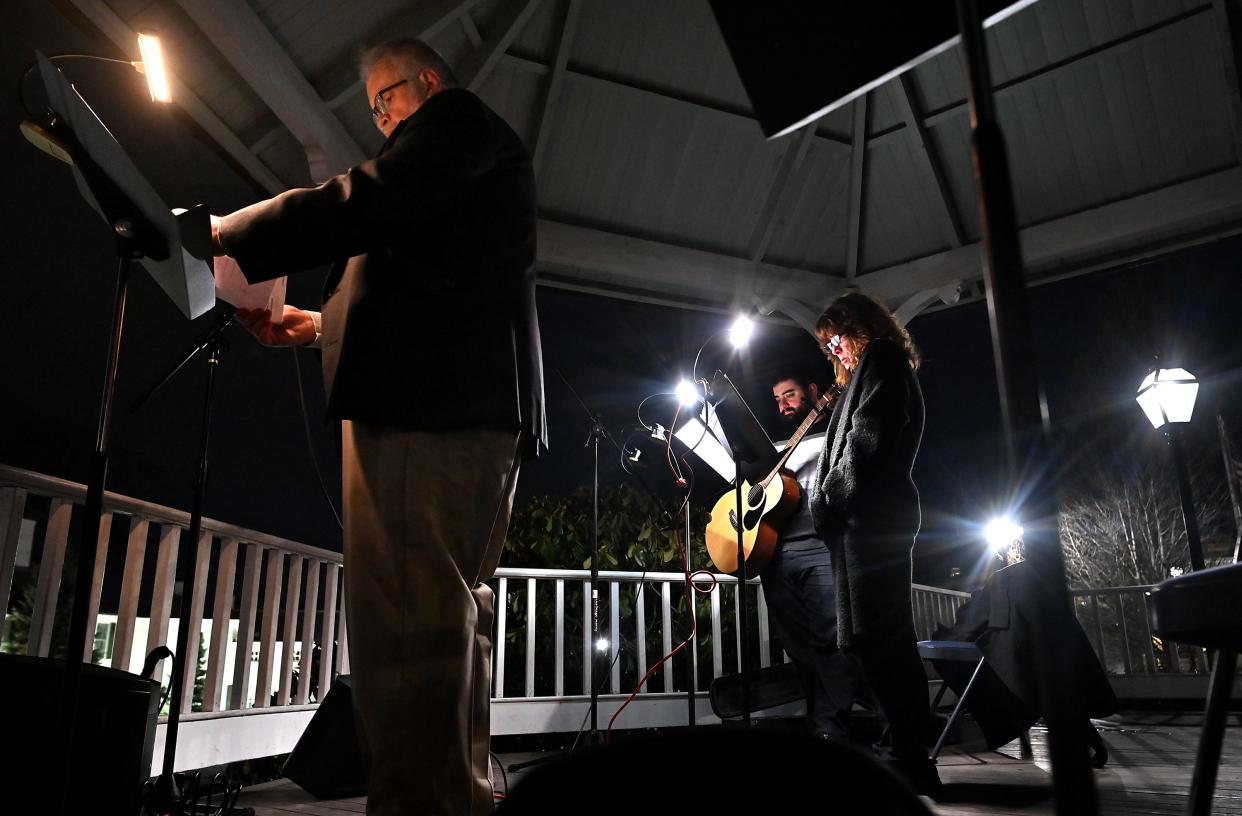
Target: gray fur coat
863,500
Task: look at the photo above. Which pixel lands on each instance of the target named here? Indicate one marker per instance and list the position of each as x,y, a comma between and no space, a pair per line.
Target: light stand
67,718
747,442
597,432
166,796
593,437
742,605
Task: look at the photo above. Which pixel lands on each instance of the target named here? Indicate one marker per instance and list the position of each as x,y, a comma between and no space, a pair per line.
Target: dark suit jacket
863,500
429,319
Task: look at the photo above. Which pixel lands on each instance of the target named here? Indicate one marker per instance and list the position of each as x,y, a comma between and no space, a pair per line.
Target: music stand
175,249
748,445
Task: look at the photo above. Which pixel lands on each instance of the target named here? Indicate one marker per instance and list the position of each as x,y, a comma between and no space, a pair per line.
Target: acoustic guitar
765,505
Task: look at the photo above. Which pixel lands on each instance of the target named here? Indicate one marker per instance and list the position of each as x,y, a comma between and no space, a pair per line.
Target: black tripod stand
597,432
166,795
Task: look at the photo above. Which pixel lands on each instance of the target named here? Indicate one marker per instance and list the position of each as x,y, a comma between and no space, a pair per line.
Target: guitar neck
810,420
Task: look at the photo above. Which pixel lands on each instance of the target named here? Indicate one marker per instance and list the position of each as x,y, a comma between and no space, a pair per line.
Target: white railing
289,597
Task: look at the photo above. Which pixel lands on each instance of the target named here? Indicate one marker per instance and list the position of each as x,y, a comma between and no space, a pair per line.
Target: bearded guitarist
797,582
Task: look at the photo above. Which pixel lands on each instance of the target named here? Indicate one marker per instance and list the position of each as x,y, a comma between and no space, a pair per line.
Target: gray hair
410,55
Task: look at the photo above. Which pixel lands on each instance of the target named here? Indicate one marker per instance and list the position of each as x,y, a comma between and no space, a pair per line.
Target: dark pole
1207,760
1173,433
690,611
744,651
596,677
87,540
1024,418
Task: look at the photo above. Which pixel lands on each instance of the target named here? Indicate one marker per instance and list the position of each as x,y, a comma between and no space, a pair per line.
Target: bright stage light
741,330
601,645
1001,533
152,66
687,393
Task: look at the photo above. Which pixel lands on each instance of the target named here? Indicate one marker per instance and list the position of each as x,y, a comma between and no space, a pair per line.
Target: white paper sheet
231,286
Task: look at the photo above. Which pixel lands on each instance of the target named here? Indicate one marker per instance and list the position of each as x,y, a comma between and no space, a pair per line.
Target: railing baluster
558,682
267,628
327,631
587,645
289,632
221,618
1125,633
51,564
614,635
1151,646
243,660
12,509
306,657
193,598
692,602
765,638
640,621
161,593
342,652
717,651
666,635
131,587
530,637
738,589
1099,629
502,619
101,568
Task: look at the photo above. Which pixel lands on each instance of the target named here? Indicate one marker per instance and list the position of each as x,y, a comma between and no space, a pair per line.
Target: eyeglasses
831,345
380,108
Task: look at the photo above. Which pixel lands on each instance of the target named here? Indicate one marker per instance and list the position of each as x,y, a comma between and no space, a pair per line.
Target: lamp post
1167,397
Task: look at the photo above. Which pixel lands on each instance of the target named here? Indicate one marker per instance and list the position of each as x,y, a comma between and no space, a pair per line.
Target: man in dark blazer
431,293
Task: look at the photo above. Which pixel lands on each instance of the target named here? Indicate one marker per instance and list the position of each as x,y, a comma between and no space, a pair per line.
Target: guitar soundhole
755,496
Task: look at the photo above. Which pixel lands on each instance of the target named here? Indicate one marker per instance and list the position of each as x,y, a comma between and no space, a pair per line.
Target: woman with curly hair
866,507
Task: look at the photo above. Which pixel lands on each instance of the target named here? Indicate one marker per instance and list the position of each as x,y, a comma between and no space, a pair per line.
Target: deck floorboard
1151,758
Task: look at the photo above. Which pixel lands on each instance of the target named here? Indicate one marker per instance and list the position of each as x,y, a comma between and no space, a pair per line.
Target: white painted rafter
1170,218
858,166
765,224
241,37
556,82
951,222
510,17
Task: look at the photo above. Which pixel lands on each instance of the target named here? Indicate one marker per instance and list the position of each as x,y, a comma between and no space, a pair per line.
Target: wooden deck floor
1149,770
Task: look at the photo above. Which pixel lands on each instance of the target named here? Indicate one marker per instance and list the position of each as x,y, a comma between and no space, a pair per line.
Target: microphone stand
166,796
597,432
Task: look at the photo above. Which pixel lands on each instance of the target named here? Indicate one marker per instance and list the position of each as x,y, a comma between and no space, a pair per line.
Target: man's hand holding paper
295,327
232,286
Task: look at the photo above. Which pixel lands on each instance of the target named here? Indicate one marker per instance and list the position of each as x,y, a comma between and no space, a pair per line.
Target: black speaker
112,745
713,770
327,761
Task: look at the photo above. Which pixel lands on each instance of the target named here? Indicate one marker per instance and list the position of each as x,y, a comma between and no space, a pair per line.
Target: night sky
1097,337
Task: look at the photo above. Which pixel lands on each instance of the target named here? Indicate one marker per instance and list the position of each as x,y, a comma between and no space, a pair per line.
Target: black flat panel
800,59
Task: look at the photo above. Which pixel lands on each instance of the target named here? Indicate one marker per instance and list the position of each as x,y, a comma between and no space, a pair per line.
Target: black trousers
883,638
802,605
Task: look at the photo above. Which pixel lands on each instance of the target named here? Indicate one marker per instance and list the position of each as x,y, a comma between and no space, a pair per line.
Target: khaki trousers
425,520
